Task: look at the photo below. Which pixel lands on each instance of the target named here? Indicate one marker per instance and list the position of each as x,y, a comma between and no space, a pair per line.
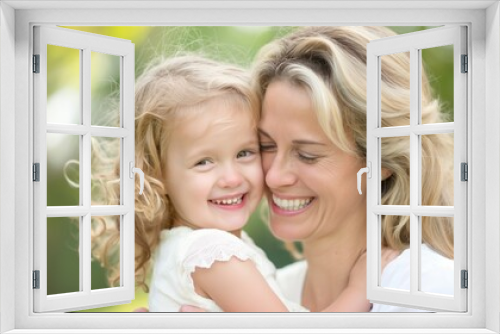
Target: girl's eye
244,154
203,162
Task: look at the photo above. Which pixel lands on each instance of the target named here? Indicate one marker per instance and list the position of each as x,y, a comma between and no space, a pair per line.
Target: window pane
436,256
395,188
437,169
438,66
105,171
396,231
395,89
63,262
105,89
106,251
63,85
63,169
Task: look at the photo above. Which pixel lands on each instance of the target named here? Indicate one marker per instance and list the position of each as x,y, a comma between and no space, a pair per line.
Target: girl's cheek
258,177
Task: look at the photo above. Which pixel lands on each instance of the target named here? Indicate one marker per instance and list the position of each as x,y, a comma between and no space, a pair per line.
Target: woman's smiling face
311,184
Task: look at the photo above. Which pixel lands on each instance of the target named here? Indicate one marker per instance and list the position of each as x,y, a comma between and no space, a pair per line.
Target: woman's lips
290,206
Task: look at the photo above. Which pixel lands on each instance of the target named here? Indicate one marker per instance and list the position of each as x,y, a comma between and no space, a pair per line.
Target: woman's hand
184,308
388,254
191,309
141,309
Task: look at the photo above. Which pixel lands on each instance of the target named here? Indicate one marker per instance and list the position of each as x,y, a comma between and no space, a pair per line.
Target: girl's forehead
213,116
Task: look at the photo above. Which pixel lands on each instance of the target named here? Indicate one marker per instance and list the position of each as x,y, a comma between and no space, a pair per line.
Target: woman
312,84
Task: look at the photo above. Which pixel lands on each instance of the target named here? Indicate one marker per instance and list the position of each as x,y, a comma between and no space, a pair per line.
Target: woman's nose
278,171
231,177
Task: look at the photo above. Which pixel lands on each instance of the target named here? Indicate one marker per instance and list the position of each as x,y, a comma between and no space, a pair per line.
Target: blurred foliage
237,45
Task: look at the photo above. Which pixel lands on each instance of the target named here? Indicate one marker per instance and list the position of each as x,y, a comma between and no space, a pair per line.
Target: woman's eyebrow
296,142
263,133
307,142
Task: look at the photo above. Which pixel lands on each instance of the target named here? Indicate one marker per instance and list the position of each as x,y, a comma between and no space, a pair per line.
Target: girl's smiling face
213,173
311,184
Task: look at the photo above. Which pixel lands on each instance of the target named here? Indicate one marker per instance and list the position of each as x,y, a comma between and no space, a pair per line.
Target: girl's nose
231,177
278,171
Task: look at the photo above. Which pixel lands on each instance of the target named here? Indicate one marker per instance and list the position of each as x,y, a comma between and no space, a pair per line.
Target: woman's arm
237,286
353,298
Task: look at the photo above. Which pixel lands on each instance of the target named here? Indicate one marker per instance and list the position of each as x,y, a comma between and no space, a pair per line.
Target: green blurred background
237,45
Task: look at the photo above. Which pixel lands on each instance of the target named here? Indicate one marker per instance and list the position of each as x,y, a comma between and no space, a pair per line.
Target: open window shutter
51,121
415,43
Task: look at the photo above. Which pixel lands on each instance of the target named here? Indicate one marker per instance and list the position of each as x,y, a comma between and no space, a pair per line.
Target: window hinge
36,172
465,63
464,279
464,172
36,63
36,279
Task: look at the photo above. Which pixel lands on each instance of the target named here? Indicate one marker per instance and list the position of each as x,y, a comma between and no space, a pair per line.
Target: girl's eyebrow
296,141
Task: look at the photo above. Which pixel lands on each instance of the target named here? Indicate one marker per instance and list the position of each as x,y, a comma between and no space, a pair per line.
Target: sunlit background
237,45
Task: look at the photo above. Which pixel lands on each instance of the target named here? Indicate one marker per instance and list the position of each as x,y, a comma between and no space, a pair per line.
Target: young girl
197,144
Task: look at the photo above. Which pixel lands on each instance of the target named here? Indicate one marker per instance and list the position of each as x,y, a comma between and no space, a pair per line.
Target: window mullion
414,171
85,182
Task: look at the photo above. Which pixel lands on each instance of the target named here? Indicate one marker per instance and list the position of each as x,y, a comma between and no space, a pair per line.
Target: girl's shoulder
201,248
183,241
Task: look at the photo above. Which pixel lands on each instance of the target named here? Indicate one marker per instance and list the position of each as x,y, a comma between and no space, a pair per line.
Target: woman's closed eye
308,158
267,147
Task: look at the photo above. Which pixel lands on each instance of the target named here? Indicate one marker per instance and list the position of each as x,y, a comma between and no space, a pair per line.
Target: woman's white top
182,250
437,277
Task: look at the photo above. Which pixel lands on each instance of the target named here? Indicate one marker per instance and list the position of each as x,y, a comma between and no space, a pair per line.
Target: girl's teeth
291,204
231,201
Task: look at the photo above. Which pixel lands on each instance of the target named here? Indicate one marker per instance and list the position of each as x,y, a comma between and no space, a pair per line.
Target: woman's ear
386,173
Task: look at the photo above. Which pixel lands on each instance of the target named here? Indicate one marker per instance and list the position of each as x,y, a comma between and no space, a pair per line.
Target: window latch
132,171
368,171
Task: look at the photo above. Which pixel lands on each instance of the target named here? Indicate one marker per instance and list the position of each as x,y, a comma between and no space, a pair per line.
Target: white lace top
182,249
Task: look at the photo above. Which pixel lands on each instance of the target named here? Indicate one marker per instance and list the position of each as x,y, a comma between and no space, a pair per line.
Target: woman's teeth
228,201
291,204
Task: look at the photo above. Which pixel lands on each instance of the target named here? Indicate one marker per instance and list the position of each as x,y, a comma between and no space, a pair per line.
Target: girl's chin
231,221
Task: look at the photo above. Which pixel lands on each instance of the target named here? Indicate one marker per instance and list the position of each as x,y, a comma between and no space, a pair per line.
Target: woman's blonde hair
330,64
167,90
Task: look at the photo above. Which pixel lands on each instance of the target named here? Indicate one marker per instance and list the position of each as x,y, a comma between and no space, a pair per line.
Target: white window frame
16,214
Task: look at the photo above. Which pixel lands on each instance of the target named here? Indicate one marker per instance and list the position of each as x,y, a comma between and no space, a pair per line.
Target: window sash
413,43
86,297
